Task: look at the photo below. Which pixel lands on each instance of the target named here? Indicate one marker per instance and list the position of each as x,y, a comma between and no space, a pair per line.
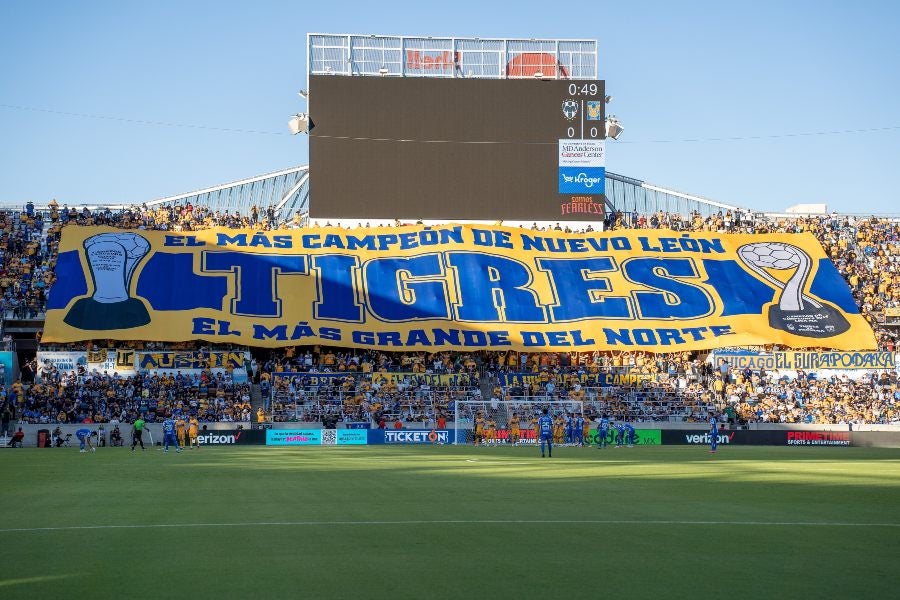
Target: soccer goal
494,422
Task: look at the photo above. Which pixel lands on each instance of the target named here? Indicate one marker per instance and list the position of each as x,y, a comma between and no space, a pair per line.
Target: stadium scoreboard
468,149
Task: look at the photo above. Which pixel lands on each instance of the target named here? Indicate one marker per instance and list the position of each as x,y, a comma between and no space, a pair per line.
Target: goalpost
501,414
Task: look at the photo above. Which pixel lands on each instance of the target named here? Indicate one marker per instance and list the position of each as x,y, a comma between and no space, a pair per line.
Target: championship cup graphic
113,258
795,312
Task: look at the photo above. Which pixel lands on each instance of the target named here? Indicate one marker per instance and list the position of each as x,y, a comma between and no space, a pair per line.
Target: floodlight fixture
299,123
613,127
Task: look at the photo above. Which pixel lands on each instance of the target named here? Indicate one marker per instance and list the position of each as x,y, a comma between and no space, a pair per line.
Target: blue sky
677,70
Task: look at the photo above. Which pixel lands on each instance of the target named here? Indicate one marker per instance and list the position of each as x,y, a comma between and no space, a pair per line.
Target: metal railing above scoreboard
405,56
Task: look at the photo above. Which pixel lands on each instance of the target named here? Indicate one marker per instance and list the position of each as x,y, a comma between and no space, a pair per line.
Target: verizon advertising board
742,437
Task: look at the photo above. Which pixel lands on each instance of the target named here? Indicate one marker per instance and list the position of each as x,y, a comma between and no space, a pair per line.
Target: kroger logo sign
583,179
575,180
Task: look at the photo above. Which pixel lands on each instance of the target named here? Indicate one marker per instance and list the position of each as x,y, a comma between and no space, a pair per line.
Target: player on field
629,435
169,435
193,432
713,434
180,430
479,428
514,433
491,433
545,431
558,430
620,434
585,432
602,432
578,432
137,433
568,430
84,437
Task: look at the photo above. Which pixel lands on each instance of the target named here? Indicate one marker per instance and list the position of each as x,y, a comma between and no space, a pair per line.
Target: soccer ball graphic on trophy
795,311
112,258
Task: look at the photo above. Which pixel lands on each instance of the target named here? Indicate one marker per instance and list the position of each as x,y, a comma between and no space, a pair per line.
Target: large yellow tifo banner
456,286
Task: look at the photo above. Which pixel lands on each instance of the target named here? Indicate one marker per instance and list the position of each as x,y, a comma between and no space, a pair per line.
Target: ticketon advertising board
418,436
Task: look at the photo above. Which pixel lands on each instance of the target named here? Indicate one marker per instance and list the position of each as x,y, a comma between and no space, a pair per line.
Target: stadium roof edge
692,197
294,179
231,184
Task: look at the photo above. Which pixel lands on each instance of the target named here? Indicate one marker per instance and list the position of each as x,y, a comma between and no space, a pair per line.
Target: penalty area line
453,522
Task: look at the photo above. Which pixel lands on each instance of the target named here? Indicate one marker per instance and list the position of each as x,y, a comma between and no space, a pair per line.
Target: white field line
454,522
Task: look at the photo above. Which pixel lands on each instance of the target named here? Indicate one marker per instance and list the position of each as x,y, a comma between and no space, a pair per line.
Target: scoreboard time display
468,149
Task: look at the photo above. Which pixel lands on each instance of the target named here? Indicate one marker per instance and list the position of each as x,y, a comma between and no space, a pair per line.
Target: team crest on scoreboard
570,109
594,109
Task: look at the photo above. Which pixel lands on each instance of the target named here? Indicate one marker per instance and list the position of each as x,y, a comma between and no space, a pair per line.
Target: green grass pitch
450,522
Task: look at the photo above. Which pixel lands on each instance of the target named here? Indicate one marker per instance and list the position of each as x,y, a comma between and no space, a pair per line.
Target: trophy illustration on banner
795,311
112,258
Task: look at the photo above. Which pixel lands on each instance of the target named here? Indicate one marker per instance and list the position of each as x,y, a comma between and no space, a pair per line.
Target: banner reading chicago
452,287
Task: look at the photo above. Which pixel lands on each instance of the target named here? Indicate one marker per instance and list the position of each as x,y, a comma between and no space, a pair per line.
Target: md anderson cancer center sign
452,287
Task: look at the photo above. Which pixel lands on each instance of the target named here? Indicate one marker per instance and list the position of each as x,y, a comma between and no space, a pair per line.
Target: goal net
492,422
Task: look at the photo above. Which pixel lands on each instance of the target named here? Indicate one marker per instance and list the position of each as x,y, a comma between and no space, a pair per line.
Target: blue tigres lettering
407,288
337,296
494,288
674,299
576,280
256,281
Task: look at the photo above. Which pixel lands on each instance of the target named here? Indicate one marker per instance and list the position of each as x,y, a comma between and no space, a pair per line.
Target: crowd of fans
359,386
367,386
102,398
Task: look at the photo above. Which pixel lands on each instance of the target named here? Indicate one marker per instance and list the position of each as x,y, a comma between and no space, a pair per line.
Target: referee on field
137,433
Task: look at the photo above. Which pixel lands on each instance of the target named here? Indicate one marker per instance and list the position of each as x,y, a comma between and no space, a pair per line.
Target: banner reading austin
452,287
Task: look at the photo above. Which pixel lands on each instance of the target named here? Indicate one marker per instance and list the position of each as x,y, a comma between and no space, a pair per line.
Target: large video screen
443,149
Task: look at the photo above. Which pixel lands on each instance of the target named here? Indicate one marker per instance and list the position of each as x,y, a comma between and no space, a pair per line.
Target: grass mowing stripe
454,522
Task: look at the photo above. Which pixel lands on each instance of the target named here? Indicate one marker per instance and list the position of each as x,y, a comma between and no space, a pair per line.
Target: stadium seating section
390,388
